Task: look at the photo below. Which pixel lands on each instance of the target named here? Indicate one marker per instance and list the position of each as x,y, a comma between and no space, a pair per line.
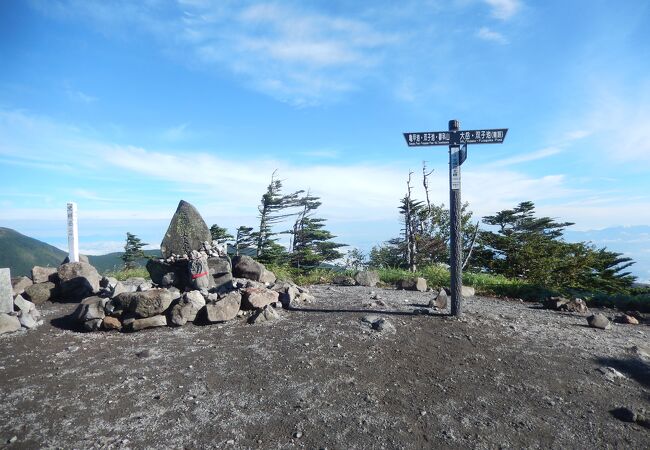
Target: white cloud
176,133
493,36
504,9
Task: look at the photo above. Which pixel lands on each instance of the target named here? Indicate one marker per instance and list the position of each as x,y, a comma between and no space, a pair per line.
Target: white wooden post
73,233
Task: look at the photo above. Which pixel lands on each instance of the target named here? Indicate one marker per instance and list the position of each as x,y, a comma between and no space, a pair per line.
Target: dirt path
507,375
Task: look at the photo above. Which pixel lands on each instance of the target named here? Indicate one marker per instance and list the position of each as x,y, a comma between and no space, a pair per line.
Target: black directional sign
457,141
493,136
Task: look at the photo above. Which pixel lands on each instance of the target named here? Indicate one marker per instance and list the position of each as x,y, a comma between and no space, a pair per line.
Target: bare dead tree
411,248
425,183
471,246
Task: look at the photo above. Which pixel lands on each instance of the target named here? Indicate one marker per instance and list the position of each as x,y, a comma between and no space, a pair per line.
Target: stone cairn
194,281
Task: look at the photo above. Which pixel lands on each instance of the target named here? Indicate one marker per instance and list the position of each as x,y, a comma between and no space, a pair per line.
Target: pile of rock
368,278
577,305
245,295
16,311
193,281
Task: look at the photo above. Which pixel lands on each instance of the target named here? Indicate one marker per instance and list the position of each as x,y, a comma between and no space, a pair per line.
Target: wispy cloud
493,36
504,9
176,133
527,157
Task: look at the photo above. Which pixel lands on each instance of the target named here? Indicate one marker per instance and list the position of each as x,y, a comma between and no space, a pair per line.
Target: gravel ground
506,375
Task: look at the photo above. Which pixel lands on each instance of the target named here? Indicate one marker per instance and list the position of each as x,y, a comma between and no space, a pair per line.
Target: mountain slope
20,253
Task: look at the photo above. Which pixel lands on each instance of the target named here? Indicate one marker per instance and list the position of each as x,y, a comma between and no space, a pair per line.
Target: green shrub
123,274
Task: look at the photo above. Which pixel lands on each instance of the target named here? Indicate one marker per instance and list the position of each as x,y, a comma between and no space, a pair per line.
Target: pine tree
219,234
531,248
132,251
311,243
244,239
272,210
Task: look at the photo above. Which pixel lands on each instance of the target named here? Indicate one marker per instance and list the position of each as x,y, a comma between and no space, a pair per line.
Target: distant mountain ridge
20,253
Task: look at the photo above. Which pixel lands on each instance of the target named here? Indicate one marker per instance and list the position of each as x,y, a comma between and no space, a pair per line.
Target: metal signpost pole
457,141
456,239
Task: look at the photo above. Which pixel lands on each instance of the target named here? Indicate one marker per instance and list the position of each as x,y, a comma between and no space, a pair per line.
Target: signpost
457,141
73,233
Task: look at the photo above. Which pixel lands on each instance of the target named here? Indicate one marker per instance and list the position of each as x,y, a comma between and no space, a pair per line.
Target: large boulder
143,304
440,300
344,280
265,314
224,309
39,293
78,280
367,278
9,323
187,231
42,274
255,298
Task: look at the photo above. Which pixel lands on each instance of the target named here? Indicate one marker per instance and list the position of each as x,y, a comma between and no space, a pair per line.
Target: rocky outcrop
187,231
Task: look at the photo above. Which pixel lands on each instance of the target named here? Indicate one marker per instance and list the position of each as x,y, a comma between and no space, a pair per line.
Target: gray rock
144,304
413,284
18,284
159,269
267,276
199,272
23,305
222,281
265,314
575,305
92,325
246,267
6,292
367,278
90,308
187,308
377,323
225,309
555,303
8,323
256,298
108,282
599,321
121,288
77,280
219,265
180,313
187,231
440,300
148,322
40,293
42,274
27,320
287,294
343,280
467,291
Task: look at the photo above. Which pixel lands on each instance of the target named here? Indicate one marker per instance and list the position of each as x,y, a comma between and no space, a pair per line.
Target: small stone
143,353
12,440
440,301
9,323
111,323
297,434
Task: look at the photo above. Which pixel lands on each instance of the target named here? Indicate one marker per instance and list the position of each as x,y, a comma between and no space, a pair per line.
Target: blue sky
128,107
